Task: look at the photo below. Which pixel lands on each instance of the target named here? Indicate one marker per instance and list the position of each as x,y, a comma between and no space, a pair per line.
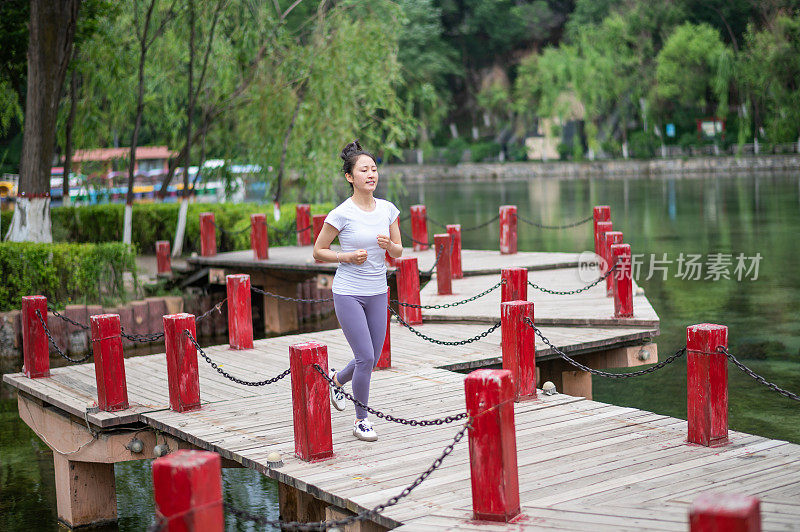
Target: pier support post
454,230
419,227
187,489
408,290
601,213
303,224
492,445
444,280
623,281
318,220
390,261
85,492
731,512
109,364
240,316
385,360
184,381
259,236
163,262
208,235
610,238
311,406
515,287
35,350
600,230
508,229
519,347
707,384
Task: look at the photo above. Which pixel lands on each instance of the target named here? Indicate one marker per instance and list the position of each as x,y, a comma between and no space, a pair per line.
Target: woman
367,227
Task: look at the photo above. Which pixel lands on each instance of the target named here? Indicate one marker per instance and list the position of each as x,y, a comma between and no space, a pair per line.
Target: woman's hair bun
350,150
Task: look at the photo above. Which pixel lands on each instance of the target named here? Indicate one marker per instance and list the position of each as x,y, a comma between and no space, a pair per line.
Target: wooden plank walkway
588,308
475,262
582,464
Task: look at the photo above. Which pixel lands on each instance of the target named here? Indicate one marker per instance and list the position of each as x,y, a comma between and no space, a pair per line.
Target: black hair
350,154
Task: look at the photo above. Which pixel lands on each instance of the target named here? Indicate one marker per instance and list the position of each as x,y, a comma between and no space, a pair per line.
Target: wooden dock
582,464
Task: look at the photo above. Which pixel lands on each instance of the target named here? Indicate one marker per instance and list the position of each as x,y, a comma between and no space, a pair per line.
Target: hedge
158,221
65,273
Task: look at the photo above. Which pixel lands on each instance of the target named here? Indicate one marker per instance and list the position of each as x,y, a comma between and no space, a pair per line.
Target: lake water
668,221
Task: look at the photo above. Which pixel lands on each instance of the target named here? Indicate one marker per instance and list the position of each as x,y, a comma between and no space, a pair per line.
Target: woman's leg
375,308
353,319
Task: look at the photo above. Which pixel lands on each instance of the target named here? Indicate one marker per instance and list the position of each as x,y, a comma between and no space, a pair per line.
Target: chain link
481,225
655,367
756,376
565,226
228,375
389,417
217,307
55,346
484,334
146,338
577,290
285,298
413,240
362,516
68,320
448,305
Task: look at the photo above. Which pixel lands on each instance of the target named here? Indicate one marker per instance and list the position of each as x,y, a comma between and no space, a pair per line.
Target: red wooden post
259,236
515,287
492,445
707,384
311,407
454,230
609,239
240,316
419,227
187,488
35,350
508,229
109,364
444,278
623,281
390,261
184,382
601,228
163,262
385,360
728,512
318,221
408,290
601,213
519,347
208,234
303,224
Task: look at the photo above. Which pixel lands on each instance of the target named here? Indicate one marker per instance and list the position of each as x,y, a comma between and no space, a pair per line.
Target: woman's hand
385,242
358,256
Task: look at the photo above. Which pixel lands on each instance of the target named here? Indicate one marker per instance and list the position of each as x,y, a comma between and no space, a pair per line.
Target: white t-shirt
359,229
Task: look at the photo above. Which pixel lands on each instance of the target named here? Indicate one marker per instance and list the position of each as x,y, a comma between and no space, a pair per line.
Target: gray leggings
363,321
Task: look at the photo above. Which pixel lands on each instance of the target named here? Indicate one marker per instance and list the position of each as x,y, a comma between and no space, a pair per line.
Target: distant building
151,161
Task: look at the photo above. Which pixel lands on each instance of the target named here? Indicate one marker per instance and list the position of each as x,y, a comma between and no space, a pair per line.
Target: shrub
64,273
455,151
481,151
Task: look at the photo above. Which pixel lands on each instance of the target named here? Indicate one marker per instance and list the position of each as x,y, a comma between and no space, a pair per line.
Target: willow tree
51,32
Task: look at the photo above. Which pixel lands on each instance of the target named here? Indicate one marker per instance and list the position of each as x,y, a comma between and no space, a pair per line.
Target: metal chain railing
389,417
474,227
145,338
68,320
206,314
484,334
448,305
756,376
286,298
655,367
413,240
228,375
577,290
565,226
55,346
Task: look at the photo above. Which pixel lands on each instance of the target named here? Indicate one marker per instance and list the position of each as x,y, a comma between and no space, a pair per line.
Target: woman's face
364,176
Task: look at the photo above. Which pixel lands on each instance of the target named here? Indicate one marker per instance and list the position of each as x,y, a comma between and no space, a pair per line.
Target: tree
51,32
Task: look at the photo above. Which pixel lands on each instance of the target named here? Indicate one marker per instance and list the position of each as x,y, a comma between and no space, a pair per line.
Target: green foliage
643,145
481,151
90,273
158,221
455,151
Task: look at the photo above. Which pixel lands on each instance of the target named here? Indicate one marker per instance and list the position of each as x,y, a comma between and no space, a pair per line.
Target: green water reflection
690,216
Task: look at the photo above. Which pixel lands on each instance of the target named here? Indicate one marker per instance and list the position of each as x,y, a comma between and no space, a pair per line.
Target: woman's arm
323,251
393,243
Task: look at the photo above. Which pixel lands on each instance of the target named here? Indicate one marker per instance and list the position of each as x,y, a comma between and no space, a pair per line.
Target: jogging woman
367,227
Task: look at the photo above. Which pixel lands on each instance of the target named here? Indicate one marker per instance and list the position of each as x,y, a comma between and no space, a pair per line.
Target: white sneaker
337,395
362,429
